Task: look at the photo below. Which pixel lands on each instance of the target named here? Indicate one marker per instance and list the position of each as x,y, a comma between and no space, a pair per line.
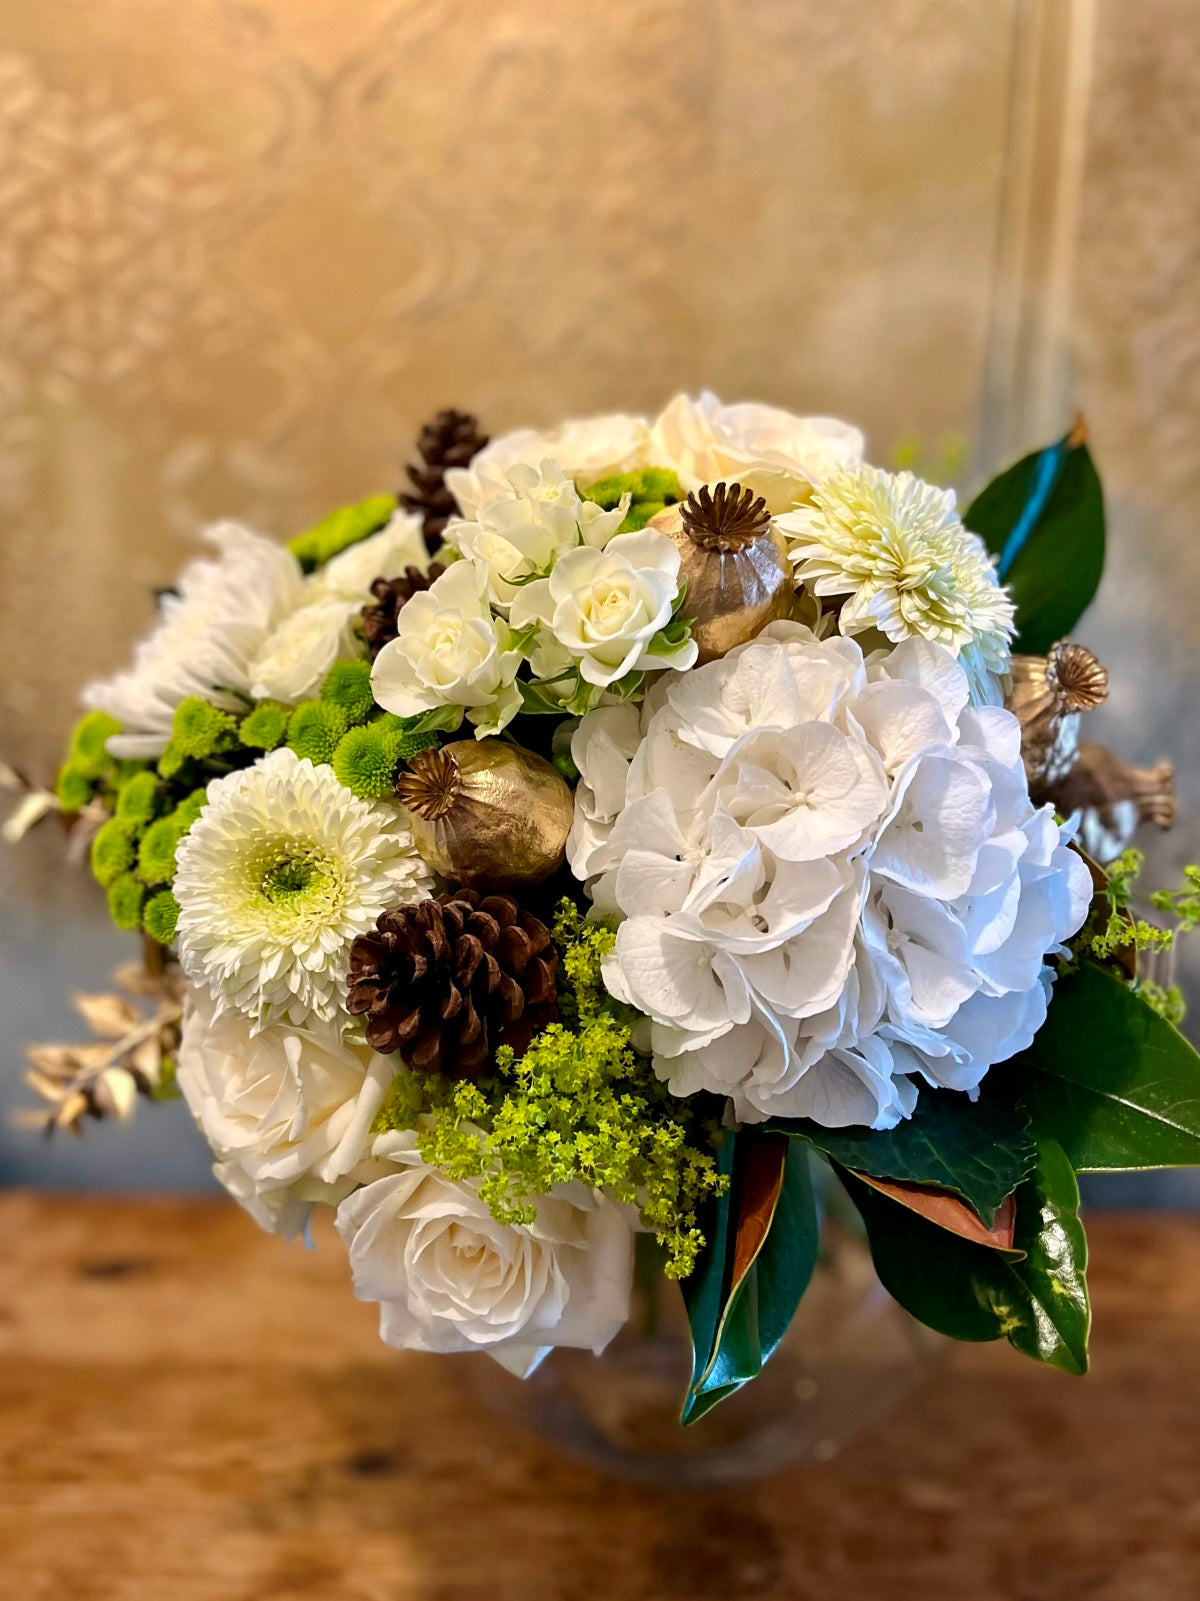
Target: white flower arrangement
622,913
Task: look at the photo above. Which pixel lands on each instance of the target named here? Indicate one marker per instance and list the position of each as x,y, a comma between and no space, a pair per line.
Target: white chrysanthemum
208,634
831,878
897,548
283,869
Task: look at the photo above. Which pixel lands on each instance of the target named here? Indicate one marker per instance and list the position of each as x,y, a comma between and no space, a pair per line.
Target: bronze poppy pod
486,814
734,563
1048,695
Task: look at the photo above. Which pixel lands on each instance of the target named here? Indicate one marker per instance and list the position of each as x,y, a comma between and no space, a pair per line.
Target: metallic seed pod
1113,799
1048,695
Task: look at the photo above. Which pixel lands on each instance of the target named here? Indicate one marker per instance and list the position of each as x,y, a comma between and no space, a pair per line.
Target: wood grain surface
192,1411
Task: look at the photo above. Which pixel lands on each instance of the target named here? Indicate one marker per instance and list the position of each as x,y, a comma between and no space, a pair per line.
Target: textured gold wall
244,249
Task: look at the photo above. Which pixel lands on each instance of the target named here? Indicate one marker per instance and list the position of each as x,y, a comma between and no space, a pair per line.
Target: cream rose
288,1111
295,657
586,448
450,651
448,1277
777,455
349,576
600,610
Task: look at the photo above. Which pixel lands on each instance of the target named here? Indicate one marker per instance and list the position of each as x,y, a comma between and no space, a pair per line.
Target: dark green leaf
769,1249
1038,1301
979,1151
1043,520
1110,1080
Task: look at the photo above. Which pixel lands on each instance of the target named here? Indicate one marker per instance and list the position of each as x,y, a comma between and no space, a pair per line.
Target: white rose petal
587,449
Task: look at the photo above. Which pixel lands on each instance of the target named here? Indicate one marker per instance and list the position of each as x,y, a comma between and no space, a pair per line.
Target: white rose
601,609
295,657
450,651
448,1277
287,1110
386,554
586,448
777,455
519,533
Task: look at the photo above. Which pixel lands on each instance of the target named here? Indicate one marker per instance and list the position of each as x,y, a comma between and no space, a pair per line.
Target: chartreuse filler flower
699,833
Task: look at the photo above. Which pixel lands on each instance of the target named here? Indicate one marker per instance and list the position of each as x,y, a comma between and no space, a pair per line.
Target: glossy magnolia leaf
948,1212
1043,520
980,1151
1110,1080
1037,1300
762,1260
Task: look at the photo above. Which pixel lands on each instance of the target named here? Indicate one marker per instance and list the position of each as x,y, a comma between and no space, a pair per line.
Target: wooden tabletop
192,1411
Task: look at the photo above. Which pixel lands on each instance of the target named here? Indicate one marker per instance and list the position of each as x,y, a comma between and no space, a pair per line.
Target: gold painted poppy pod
734,563
486,814
1048,694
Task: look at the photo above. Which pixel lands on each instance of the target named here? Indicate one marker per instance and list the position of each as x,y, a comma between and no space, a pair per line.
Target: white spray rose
586,448
450,651
448,1277
520,533
349,575
288,1111
777,455
600,610
295,657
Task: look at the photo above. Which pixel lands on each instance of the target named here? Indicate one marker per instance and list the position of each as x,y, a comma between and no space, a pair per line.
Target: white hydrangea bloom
283,869
209,632
520,532
601,610
830,876
448,1277
288,1111
896,547
450,650
763,448
586,448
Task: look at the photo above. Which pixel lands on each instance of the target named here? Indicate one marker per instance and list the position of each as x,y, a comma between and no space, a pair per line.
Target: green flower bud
266,726
125,902
365,761
408,745
188,810
340,530
137,798
160,916
88,742
74,788
199,730
652,489
315,729
156,853
113,851
348,685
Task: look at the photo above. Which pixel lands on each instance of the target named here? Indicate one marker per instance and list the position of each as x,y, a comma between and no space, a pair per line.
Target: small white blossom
350,574
601,610
450,651
296,656
895,546
586,448
449,1277
283,869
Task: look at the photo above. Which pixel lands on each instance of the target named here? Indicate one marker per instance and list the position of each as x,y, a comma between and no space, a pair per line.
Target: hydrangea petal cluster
896,548
282,871
831,879
210,629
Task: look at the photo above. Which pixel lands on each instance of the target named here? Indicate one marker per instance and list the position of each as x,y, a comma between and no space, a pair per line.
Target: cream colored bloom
520,532
601,610
450,651
586,448
777,455
296,655
448,1277
209,632
895,546
282,871
349,575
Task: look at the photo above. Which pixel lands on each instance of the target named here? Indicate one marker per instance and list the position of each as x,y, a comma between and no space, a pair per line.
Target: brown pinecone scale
447,982
379,618
450,439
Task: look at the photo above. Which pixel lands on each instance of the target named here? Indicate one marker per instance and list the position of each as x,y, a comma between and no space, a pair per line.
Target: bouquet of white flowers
635,829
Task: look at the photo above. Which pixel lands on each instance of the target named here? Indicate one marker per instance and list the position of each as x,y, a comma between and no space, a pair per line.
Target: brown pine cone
446,982
450,439
379,620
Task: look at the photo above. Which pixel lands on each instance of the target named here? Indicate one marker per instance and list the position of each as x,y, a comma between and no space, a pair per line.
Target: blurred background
246,249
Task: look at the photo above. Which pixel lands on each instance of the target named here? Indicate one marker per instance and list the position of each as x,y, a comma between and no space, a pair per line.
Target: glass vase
849,1356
